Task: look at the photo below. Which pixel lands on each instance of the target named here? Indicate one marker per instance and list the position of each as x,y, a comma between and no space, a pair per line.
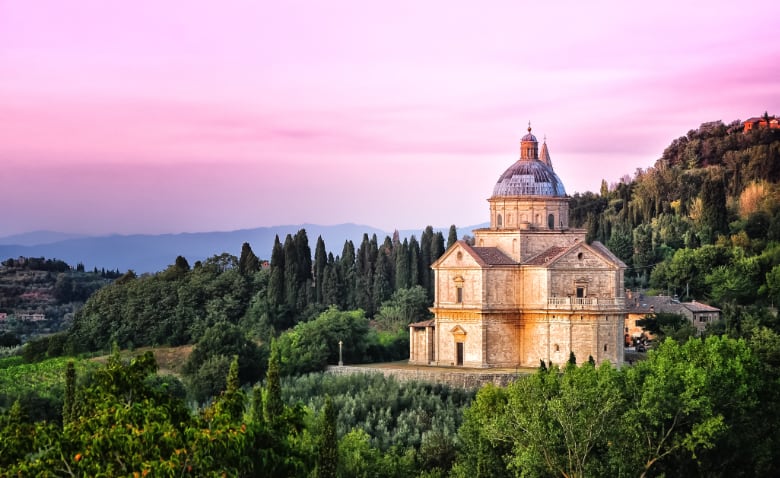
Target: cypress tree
320,261
713,201
303,252
181,264
373,252
327,448
232,400
437,247
273,406
414,259
572,358
424,261
256,412
382,286
365,276
248,263
68,406
452,237
389,248
276,293
402,266
331,287
348,275
290,273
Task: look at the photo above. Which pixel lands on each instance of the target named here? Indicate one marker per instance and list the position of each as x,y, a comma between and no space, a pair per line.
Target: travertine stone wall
504,342
528,212
502,287
551,339
535,287
451,331
421,345
521,245
448,281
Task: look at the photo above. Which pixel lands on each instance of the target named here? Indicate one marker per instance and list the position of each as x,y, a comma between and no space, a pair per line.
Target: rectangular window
580,292
459,298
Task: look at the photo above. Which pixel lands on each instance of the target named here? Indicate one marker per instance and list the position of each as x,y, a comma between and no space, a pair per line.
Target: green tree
310,346
70,393
604,189
452,236
277,294
402,272
327,444
667,324
320,262
348,274
684,400
404,307
383,287
713,198
248,263
273,406
291,279
208,364
556,423
415,278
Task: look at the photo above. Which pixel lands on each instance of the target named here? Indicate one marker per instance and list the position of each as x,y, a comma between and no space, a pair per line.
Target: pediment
585,256
458,330
459,256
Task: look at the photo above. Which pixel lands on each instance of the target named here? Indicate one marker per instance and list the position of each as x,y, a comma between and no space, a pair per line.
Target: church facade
529,288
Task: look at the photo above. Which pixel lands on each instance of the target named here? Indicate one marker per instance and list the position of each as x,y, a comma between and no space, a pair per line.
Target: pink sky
156,117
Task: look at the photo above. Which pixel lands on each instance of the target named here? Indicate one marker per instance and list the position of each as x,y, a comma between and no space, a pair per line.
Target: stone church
530,288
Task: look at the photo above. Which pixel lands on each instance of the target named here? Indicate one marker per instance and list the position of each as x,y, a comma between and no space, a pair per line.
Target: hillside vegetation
702,223
48,289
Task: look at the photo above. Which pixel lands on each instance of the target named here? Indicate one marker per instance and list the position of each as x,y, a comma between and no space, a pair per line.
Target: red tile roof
546,256
699,307
493,256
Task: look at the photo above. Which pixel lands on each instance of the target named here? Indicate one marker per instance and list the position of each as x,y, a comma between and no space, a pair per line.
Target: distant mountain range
152,253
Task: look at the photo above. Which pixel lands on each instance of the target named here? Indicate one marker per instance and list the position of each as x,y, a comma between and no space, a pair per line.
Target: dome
529,178
529,137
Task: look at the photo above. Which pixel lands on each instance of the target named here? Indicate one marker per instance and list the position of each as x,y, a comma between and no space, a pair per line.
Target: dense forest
702,223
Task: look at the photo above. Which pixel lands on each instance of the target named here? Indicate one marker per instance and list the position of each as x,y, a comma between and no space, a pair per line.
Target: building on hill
771,122
530,288
640,306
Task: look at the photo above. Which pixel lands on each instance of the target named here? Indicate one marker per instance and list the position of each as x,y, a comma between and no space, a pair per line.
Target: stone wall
455,378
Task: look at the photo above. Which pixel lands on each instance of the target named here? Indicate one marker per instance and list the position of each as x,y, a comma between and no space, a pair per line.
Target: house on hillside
640,306
771,122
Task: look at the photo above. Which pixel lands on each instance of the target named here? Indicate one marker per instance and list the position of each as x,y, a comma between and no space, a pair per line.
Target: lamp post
341,362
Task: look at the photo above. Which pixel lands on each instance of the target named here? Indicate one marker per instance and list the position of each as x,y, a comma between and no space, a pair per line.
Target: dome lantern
530,176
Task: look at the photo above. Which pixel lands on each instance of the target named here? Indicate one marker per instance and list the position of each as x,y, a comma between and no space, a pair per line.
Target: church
529,287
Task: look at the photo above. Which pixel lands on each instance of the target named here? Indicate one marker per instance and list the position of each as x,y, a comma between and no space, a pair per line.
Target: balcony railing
586,303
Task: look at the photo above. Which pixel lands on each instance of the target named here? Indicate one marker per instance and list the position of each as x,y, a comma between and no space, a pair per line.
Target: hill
40,295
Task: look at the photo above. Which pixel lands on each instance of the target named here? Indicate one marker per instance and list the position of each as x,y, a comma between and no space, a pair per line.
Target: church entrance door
459,358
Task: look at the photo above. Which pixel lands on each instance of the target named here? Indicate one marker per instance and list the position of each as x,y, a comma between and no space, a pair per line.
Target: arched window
498,220
551,221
